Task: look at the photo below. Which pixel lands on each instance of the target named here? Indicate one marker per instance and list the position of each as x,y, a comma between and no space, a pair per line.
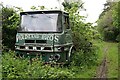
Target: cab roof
43,11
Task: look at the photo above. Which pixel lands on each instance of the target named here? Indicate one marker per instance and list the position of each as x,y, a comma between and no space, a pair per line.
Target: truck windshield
40,23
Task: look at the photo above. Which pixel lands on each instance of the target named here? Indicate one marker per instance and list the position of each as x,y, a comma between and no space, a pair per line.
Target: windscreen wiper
47,15
31,15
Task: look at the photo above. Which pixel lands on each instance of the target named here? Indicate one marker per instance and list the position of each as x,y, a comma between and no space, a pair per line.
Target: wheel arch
70,51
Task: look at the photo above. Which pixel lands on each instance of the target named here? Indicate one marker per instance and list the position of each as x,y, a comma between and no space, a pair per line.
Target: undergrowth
14,67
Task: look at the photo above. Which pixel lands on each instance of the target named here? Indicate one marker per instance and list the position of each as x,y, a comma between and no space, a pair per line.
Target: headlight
57,57
17,47
51,57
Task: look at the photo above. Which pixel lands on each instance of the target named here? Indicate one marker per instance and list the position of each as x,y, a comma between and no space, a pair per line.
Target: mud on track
102,69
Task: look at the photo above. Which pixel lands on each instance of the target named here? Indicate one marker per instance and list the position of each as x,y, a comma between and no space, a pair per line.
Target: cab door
67,30
68,36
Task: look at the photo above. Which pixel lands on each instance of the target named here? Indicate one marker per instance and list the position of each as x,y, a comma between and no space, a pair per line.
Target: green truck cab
46,34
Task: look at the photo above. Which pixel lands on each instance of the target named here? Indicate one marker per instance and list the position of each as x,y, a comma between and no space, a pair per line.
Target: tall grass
112,58
14,67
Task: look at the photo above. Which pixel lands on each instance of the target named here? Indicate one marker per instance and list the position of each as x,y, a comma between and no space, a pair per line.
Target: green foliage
112,50
116,18
14,67
108,22
83,33
10,21
118,38
113,58
85,54
38,8
109,35
85,59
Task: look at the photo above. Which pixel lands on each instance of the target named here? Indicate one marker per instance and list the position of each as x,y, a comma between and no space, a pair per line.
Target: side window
67,22
59,22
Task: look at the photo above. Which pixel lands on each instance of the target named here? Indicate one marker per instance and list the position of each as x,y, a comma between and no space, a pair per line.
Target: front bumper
57,53
44,55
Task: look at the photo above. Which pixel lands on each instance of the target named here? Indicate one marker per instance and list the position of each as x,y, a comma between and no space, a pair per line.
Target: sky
93,7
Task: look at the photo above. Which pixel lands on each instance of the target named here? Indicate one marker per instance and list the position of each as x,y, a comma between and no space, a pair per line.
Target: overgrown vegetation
85,58
108,24
83,33
112,60
111,50
85,55
14,67
10,21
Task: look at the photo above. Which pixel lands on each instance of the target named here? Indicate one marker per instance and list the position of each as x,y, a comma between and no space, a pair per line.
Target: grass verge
112,58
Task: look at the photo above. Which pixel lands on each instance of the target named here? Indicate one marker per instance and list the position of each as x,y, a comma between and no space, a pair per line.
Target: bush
10,21
82,58
82,34
14,67
109,36
118,38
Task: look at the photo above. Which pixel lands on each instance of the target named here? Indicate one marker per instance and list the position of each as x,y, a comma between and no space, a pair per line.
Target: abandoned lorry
46,34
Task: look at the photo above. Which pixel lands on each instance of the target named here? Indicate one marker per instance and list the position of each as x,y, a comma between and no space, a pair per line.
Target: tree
38,8
82,35
0,26
116,19
10,21
107,22
82,32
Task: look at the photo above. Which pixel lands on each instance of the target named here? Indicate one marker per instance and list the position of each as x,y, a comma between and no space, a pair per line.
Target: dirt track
102,69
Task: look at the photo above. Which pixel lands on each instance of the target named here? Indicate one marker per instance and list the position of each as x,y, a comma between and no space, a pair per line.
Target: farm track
102,69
